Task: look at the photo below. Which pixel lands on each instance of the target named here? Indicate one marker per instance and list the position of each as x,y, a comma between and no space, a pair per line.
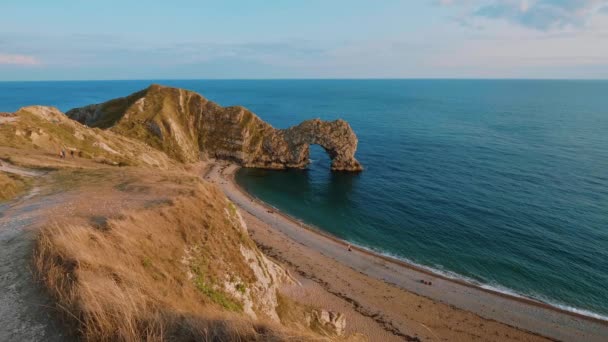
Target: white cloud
12,59
542,15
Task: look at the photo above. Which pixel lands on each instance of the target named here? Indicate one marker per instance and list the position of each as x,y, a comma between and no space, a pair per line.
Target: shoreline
575,318
419,268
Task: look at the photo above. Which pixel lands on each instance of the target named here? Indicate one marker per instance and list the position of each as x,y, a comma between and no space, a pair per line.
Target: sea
501,183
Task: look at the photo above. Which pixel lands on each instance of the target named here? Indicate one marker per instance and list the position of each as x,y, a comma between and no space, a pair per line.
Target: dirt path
19,171
26,313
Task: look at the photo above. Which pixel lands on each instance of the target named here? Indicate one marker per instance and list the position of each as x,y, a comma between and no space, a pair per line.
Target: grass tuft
12,185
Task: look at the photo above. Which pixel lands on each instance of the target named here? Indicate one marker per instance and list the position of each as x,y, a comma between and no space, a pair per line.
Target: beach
391,292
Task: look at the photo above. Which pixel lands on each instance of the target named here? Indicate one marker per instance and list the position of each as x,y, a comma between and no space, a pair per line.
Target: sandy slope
391,293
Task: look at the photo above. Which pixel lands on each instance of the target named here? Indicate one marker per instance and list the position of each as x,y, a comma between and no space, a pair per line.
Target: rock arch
336,137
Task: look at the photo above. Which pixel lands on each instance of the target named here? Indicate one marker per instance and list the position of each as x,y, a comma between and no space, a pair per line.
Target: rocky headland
189,127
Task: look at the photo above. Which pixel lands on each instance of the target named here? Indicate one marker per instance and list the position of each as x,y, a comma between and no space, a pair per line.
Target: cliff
187,127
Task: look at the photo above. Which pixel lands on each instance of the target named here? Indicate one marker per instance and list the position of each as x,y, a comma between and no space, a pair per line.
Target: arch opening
319,157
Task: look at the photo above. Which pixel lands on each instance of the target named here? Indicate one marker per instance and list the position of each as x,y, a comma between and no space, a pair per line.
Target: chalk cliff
188,127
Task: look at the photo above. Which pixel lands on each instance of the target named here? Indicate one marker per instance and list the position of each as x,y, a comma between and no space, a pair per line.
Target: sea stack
189,127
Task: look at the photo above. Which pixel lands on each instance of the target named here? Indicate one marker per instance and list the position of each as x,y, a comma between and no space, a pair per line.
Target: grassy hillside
45,129
182,269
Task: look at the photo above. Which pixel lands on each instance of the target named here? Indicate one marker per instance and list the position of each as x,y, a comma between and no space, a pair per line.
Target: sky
244,39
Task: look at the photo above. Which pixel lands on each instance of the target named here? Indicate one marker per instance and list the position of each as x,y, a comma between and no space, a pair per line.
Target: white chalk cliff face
260,297
187,127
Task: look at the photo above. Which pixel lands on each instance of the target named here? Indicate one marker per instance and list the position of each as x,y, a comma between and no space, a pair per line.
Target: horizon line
314,79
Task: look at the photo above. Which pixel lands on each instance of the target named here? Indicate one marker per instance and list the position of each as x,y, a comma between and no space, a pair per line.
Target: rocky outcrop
333,323
187,127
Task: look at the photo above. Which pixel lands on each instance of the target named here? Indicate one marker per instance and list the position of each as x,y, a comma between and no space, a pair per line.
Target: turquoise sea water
500,182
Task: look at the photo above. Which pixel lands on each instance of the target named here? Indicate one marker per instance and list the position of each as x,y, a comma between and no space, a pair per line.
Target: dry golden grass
292,313
128,279
12,185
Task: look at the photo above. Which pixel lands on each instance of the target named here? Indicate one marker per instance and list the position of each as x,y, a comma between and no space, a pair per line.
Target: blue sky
128,39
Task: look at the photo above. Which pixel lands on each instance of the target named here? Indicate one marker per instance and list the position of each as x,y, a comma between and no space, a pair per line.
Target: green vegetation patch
218,297
242,288
232,209
146,262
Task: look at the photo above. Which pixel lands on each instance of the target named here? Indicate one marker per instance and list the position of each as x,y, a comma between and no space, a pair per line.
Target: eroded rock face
187,127
259,298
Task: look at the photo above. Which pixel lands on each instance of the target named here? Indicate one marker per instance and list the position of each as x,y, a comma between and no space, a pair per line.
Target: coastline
413,266
526,314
